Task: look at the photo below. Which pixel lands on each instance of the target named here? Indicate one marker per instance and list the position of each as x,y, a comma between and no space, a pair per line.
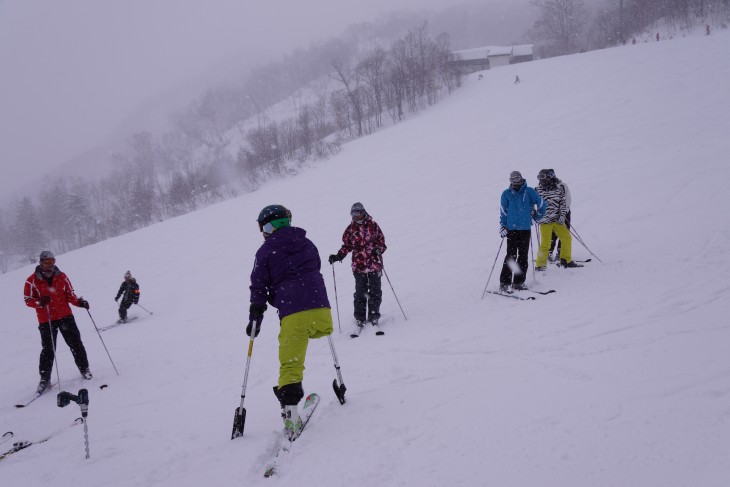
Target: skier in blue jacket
286,274
518,203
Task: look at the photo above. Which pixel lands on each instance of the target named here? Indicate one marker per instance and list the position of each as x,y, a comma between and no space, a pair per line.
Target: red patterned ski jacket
60,291
362,239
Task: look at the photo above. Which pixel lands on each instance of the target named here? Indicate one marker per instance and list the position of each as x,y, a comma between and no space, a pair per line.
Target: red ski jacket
362,239
60,291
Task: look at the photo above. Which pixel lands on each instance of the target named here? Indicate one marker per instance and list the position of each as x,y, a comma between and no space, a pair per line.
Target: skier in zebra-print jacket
553,221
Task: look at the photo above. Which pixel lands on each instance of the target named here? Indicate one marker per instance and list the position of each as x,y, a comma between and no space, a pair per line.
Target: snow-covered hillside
621,378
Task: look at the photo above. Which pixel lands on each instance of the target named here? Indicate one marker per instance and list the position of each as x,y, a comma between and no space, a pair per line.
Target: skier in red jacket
49,291
366,241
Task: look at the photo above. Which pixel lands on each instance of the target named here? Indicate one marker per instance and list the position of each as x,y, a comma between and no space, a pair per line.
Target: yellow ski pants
546,233
296,330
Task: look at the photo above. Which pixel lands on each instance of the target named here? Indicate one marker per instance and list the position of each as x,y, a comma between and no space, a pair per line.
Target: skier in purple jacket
286,275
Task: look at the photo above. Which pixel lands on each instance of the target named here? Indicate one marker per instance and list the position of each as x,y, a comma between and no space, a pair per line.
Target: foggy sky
73,71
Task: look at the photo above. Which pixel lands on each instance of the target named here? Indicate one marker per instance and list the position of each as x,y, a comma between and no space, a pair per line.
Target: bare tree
29,238
560,23
5,243
349,78
372,69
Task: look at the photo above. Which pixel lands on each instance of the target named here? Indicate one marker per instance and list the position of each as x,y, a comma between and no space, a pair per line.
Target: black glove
256,312
116,299
376,252
336,258
249,327
44,301
83,303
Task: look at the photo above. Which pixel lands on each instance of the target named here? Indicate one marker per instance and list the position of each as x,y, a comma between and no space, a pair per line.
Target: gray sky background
73,71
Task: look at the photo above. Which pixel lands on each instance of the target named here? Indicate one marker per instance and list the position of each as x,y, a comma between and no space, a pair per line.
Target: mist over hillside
620,377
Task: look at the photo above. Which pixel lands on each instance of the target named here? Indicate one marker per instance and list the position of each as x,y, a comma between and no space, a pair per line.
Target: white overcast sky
72,71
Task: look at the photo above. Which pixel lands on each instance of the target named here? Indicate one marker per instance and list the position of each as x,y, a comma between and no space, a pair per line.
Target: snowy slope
622,377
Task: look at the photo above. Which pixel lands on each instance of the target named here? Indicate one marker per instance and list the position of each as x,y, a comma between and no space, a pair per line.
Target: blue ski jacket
515,211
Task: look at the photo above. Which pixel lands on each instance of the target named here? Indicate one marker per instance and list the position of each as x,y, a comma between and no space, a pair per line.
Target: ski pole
532,255
574,232
391,288
150,312
102,342
65,398
239,416
337,302
53,344
490,272
339,389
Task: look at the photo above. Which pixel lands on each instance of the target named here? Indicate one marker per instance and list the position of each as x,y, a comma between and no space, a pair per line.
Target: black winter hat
46,254
356,209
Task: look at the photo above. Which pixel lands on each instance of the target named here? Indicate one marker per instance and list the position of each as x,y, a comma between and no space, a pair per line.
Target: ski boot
42,386
292,422
565,263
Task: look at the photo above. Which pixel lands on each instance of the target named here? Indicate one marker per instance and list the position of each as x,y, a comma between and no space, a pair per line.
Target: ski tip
20,405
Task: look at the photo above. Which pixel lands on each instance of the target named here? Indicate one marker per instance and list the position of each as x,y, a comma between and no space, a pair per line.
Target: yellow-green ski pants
546,233
296,330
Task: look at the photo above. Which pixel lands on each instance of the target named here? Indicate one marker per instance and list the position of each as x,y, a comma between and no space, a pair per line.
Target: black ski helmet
277,215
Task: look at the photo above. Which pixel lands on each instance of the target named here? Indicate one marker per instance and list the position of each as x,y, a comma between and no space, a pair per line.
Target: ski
284,445
378,331
540,292
557,262
117,323
6,437
528,298
356,331
35,396
22,445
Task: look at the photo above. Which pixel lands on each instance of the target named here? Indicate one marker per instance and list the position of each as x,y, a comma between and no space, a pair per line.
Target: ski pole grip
63,399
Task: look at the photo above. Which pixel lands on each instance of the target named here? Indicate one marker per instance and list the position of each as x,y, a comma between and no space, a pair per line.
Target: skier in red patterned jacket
366,241
49,292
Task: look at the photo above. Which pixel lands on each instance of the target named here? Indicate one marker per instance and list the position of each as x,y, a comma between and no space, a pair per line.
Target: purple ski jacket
286,273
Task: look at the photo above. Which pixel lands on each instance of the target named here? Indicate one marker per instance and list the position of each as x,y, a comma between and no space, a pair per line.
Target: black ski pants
368,295
518,249
123,307
71,335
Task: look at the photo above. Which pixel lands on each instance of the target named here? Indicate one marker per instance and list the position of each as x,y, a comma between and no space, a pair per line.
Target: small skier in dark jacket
49,292
129,292
286,274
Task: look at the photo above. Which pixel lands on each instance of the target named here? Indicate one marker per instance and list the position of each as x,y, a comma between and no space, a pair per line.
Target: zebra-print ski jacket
554,195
